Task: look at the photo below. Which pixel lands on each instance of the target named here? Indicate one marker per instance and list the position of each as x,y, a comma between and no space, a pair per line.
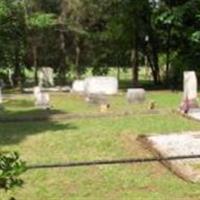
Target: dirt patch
132,146
136,150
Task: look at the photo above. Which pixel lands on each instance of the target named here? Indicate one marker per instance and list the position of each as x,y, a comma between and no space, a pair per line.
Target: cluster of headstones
100,86
96,89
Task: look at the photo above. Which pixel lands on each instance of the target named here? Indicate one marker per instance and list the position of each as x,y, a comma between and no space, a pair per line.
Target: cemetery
99,100
49,127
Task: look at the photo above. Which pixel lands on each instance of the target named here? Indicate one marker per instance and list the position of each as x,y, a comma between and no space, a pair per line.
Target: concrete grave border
180,169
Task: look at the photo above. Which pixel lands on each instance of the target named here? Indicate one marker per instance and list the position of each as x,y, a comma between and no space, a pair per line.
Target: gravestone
45,77
190,100
101,85
78,86
136,95
41,99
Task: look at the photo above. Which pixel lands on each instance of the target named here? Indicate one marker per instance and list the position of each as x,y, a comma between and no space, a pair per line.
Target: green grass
91,139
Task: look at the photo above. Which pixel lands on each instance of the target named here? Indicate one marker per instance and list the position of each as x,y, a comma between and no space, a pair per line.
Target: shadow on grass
15,131
147,85
19,103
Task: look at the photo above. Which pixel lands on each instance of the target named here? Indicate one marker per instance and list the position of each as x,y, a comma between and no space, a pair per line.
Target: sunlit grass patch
93,139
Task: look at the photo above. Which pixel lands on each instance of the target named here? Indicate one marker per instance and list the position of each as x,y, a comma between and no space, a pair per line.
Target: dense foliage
11,167
74,35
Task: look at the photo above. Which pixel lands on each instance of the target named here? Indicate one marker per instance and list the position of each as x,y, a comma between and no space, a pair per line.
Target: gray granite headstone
136,95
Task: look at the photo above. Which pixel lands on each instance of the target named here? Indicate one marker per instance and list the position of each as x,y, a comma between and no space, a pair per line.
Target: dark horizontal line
111,162
73,116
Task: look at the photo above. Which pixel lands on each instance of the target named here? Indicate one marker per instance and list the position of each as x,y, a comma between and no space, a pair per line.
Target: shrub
11,167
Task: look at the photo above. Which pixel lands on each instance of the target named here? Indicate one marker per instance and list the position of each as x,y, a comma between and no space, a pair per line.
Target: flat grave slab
194,114
175,145
50,89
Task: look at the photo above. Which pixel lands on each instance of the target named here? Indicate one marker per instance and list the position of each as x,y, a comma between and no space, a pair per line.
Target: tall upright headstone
45,77
190,94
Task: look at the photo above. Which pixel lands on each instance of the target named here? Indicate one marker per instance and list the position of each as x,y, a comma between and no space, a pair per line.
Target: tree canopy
73,35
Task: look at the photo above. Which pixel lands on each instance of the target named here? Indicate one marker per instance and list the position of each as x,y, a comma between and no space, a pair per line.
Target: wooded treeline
73,35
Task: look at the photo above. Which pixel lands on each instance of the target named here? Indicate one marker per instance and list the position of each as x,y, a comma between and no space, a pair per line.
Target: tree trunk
156,71
152,51
63,64
62,71
118,72
152,56
135,64
35,64
135,58
168,53
17,72
78,70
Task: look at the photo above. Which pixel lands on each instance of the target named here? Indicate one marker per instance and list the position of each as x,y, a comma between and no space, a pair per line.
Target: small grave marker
136,95
41,99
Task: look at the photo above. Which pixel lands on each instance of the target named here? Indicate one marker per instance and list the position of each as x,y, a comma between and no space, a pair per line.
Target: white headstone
78,86
45,76
190,85
101,85
190,91
136,95
41,99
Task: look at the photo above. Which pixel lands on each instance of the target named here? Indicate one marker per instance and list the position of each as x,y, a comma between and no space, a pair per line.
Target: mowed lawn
92,139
